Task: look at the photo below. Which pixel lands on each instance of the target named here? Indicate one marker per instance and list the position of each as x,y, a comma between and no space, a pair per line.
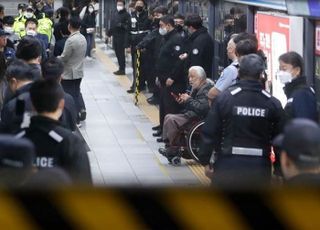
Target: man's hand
183,56
169,82
183,97
208,171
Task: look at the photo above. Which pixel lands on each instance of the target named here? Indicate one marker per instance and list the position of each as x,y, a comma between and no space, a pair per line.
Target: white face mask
284,77
90,10
119,8
162,31
31,33
8,30
28,14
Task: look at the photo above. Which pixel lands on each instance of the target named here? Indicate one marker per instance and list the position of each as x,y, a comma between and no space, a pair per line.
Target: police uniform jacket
301,101
140,26
168,63
243,120
200,50
120,25
14,110
57,146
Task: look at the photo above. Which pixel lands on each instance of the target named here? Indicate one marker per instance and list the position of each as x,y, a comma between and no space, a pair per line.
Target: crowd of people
242,119
42,54
248,138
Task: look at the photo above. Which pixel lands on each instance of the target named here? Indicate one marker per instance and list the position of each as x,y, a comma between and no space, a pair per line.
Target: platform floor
123,151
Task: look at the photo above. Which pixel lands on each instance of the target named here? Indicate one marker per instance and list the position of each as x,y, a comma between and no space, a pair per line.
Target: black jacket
13,112
88,21
120,24
200,50
139,23
301,100
244,116
57,146
168,63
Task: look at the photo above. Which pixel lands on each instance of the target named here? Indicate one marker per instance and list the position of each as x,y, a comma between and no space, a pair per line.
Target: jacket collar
251,84
198,32
296,83
74,33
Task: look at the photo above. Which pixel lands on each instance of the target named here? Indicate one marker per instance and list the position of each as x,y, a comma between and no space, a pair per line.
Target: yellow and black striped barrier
137,79
160,209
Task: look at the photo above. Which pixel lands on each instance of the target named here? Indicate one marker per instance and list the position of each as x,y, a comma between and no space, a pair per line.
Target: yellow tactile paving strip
150,111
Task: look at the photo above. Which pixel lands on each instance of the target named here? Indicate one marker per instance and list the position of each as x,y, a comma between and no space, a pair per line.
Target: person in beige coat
73,58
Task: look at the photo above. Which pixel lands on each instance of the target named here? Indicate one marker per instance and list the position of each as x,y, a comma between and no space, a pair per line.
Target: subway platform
123,151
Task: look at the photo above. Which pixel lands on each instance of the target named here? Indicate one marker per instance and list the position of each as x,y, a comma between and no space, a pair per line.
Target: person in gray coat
73,58
196,107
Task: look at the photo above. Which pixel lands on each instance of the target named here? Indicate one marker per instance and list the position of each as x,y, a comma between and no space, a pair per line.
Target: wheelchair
187,142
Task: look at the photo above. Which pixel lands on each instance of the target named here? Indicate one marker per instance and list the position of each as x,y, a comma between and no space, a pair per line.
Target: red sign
317,38
273,33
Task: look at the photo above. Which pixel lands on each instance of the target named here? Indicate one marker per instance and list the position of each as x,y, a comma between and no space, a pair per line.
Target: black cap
301,141
22,6
251,65
16,153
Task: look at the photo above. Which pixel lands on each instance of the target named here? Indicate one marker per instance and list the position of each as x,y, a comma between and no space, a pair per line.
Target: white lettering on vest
250,112
44,162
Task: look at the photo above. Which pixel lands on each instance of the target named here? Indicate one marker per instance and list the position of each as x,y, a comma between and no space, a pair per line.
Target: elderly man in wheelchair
178,126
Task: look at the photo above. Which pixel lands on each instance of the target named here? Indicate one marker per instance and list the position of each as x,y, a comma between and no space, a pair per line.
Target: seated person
196,106
55,146
300,152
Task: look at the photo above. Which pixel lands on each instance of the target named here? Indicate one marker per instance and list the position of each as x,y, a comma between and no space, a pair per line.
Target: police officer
140,27
150,45
120,31
239,129
55,145
170,69
200,45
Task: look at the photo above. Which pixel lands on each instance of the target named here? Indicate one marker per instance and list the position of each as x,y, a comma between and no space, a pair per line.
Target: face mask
31,33
139,8
8,30
162,31
28,14
179,27
284,77
90,10
119,8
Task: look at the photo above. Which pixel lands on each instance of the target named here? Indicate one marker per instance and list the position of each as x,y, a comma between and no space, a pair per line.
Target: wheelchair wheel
194,139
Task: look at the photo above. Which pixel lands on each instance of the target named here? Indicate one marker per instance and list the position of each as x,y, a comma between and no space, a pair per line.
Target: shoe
131,90
79,125
119,72
163,151
159,140
82,115
156,128
89,58
153,100
157,134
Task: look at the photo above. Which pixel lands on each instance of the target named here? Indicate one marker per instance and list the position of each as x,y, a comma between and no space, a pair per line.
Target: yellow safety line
150,111
104,210
208,211
12,215
298,208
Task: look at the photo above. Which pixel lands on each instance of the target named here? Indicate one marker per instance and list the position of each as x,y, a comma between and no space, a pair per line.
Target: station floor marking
150,111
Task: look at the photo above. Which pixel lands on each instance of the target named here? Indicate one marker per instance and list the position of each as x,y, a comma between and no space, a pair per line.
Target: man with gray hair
196,106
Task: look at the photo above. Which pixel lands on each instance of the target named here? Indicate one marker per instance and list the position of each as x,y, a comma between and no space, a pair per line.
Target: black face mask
156,22
179,27
139,8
